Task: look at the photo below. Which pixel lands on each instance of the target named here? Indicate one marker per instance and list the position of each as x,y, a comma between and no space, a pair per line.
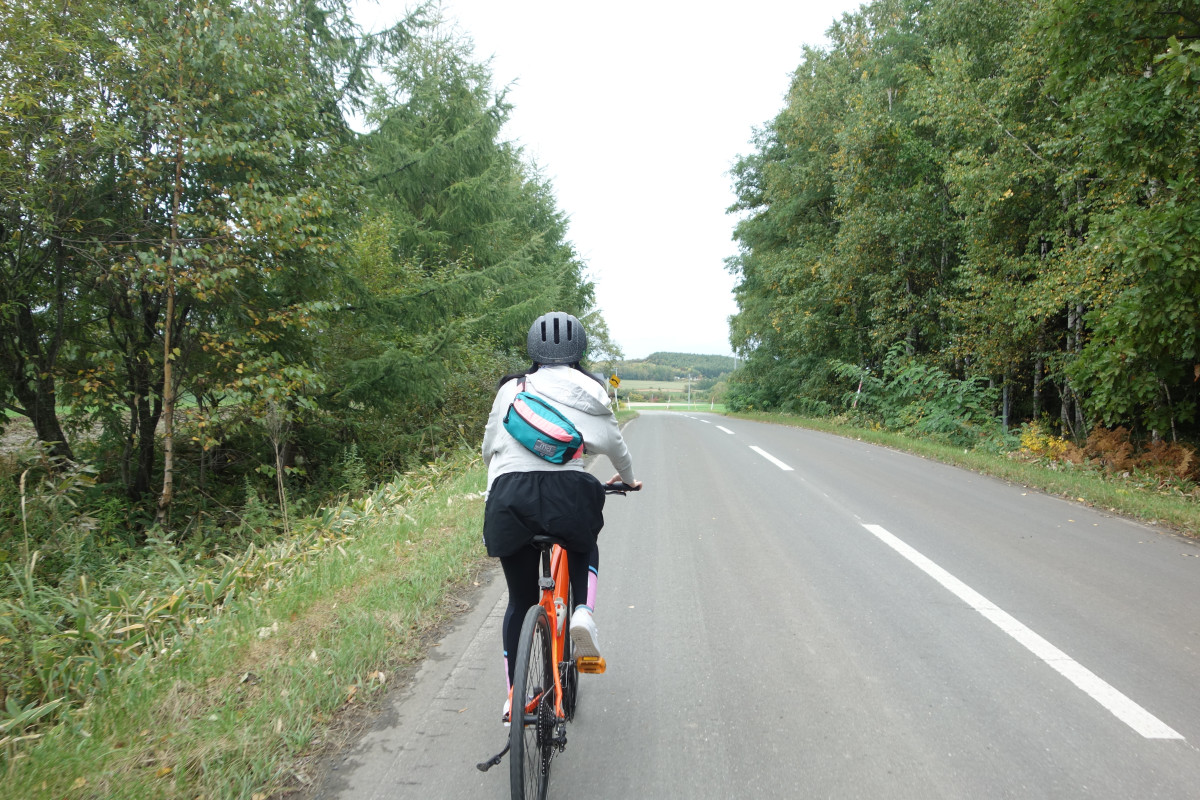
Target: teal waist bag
542,429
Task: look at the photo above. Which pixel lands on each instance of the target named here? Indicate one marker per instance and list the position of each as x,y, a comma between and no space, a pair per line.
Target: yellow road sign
615,381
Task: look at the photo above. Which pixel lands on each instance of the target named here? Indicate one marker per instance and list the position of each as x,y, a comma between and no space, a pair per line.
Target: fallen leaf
163,772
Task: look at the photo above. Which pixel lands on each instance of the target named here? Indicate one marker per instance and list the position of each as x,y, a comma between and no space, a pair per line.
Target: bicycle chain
550,729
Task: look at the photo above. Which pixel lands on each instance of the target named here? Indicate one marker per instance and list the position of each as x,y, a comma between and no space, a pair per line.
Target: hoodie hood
571,388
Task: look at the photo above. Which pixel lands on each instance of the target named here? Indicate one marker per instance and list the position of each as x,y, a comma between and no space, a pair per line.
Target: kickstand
484,766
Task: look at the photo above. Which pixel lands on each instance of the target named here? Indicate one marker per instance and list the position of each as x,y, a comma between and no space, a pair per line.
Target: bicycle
546,674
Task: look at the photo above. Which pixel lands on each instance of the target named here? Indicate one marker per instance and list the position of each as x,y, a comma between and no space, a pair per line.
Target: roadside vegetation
227,677
1006,195
1158,484
254,265
974,225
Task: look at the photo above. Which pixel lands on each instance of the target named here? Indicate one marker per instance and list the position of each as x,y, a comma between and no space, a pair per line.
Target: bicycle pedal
590,665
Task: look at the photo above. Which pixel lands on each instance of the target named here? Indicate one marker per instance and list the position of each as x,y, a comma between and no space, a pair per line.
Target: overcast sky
636,110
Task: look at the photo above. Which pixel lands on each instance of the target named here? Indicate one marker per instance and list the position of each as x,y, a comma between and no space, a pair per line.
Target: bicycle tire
530,737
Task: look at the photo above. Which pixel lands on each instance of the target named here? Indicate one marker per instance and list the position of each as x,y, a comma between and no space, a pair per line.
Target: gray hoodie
581,399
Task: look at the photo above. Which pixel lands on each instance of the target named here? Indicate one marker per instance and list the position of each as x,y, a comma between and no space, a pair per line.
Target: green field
657,386
673,392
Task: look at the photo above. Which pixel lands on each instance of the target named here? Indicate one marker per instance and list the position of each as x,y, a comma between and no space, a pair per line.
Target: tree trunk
1039,371
145,411
38,395
38,399
168,487
1065,412
1080,422
1006,402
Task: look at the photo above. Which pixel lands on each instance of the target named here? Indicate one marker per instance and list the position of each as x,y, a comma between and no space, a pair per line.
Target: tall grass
210,680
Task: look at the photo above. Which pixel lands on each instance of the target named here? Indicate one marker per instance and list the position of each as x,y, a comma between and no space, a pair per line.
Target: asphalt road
823,618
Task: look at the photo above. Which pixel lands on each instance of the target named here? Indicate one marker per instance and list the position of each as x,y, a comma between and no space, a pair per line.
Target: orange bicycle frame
552,599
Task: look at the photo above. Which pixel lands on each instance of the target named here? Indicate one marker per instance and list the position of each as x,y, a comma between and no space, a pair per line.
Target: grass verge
1110,493
242,706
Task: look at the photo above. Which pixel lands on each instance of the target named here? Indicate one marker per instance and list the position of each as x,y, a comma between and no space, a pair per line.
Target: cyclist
528,495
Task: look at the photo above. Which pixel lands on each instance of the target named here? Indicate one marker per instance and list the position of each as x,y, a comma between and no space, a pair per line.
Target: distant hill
666,366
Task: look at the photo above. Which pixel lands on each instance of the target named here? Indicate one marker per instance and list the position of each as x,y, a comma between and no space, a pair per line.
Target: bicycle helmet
556,338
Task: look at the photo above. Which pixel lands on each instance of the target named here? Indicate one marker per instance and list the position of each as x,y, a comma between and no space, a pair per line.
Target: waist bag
542,429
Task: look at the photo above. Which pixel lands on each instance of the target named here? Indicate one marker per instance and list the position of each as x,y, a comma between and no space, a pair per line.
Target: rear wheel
533,717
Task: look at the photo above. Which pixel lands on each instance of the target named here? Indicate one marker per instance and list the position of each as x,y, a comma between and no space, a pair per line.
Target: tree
460,247
188,167
1131,101
57,130
1009,189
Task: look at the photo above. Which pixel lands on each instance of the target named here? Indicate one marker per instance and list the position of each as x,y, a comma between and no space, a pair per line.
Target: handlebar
620,487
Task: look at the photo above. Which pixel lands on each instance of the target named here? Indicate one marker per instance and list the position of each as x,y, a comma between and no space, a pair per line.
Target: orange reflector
590,665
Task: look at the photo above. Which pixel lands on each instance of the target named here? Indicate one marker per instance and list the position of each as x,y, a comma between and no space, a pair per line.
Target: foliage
1040,444
1157,466
460,248
209,279
210,283
61,642
304,630
668,366
909,395
1007,188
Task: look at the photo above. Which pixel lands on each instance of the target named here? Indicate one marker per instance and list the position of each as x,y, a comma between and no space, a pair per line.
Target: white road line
1106,695
771,458
723,428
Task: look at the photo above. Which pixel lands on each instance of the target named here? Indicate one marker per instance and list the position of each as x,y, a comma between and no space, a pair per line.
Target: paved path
791,614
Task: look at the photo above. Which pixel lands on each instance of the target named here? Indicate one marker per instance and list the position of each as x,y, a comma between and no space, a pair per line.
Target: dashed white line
1103,693
771,458
723,428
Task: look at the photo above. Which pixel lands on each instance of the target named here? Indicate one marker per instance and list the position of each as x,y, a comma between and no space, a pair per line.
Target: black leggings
521,571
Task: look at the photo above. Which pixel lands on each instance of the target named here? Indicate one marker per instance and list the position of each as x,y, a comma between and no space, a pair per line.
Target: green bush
911,396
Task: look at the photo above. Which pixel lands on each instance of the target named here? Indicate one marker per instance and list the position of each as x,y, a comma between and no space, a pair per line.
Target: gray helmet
556,338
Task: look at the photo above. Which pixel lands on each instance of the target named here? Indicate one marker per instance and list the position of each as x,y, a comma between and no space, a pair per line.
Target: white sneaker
507,717
583,634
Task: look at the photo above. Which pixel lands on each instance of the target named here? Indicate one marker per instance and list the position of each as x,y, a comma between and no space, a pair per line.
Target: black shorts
567,504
